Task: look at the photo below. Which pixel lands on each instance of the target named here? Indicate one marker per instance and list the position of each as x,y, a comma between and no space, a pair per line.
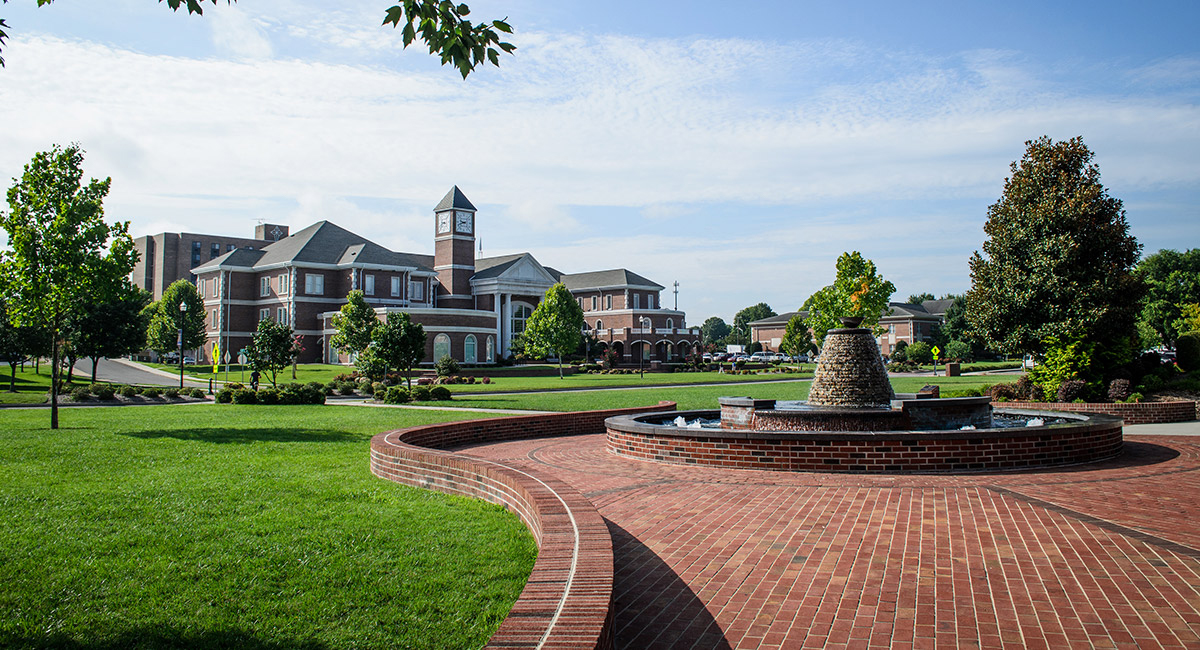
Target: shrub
1003,392
1037,393
244,396
103,391
919,352
1136,397
903,366
151,392
1187,351
424,381
1151,383
127,391
1119,390
225,395
446,366
332,386
198,393
485,380
440,393
234,385
347,388
378,389
609,359
171,393
420,394
900,352
268,396
1071,390
397,395
1024,387
80,394
958,350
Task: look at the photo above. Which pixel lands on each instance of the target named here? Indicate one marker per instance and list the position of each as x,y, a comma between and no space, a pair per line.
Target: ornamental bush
378,389
171,393
440,393
919,352
104,391
421,394
151,392
1119,390
80,394
225,396
1071,390
268,396
446,366
397,395
1187,351
1003,392
347,388
958,350
127,391
244,396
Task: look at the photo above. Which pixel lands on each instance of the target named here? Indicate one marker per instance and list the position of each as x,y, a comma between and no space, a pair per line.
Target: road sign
242,359
227,356
936,352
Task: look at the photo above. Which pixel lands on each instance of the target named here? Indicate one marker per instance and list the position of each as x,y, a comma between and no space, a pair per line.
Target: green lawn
31,386
239,526
702,397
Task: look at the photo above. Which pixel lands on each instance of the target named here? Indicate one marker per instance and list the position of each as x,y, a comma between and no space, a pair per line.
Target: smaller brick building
903,322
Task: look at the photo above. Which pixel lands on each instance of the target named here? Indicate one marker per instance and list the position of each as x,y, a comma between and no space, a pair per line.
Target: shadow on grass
160,637
244,435
653,607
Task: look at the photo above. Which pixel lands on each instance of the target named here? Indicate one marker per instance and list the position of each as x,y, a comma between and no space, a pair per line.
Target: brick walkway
1103,556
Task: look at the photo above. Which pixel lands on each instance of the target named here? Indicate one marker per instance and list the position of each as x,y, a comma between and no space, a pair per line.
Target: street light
642,356
182,313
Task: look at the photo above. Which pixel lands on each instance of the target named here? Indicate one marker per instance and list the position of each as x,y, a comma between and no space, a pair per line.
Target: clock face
444,222
463,222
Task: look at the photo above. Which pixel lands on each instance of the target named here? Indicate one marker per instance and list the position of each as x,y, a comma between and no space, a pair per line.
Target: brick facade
1133,413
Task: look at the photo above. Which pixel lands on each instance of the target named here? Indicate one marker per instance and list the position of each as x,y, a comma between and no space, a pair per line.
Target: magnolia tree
555,325
858,291
272,348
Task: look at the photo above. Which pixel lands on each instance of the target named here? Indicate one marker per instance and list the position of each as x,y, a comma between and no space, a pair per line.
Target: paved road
121,371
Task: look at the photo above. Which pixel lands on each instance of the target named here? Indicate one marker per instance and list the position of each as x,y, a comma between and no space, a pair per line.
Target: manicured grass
702,397
31,386
239,526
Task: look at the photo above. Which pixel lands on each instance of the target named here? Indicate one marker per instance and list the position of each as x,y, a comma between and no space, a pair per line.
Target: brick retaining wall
868,452
567,601
1132,413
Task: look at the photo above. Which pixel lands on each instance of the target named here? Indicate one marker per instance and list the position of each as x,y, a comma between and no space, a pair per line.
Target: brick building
904,322
470,308
170,256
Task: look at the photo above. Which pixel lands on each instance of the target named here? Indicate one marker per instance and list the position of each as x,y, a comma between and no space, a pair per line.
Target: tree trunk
12,380
95,362
70,368
54,379
560,374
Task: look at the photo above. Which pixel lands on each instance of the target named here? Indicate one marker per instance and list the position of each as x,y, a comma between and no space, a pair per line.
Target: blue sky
738,148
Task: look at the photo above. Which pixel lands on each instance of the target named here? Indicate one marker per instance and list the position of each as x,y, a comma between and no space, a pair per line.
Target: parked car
189,361
760,357
776,357
707,357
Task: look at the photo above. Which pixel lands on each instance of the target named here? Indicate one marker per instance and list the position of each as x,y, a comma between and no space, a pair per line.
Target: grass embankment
31,387
688,398
239,526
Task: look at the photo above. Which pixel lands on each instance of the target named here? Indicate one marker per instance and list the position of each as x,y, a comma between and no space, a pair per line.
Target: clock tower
454,250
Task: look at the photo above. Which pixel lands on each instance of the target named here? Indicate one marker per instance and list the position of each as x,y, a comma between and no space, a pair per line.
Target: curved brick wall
567,601
869,452
1134,413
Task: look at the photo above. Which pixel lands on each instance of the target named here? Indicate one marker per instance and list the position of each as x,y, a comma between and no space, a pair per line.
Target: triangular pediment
526,269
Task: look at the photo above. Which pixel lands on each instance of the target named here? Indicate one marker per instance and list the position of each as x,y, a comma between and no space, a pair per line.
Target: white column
506,322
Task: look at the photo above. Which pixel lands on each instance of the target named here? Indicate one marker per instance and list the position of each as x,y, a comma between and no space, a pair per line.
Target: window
491,349
282,315
469,349
369,285
264,286
214,319
521,313
201,286
314,283
195,254
670,323
594,301
649,301
416,291
441,347
395,286
283,283
264,314
608,301
214,251
230,247
599,324
216,284
637,301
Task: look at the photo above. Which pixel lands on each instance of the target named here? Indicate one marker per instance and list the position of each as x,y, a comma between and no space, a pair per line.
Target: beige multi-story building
470,308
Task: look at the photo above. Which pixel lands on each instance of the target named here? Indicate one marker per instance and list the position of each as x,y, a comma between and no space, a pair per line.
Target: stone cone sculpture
850,372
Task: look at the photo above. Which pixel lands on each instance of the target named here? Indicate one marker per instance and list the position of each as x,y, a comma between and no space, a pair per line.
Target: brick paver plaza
1105,555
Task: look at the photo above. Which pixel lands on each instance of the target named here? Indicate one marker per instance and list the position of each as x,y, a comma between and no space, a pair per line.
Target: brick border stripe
567,601
1132,413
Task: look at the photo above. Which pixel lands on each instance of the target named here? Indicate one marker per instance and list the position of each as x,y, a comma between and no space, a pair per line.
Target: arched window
520,314
670,323
599,324
491,349
469,349
441,347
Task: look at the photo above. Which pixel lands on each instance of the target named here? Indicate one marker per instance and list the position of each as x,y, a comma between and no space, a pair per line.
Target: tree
555,325
162,333
400,343
713,330
355,323
1189,319
1172,281
918,298
919,352
110,328
440,24
1058,262
17,344
857,291
797,339
740,333
959,351
62,251
272,348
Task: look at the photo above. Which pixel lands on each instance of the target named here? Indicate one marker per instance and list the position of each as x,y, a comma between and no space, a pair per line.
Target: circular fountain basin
1071,438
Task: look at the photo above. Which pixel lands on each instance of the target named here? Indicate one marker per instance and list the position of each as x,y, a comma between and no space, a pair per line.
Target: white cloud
238,34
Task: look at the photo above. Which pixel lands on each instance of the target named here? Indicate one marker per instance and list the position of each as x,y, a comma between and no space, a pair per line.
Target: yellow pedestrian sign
936,352
216,356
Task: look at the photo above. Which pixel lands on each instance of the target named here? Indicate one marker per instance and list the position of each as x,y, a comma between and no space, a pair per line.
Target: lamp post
642,355
182,313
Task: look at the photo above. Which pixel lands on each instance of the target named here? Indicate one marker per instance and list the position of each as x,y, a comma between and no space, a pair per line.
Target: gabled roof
609,278
779,319
937,307
906,310
495,268
238,257
490,267
328,243
454,200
